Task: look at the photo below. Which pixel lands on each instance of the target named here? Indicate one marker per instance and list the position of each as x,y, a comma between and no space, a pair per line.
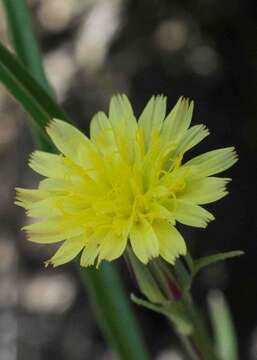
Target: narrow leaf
27,50
208,260
223,328
148,305
32,96
173,310
113,312
23,39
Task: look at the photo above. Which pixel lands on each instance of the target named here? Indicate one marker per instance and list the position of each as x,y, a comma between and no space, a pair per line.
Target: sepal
174,310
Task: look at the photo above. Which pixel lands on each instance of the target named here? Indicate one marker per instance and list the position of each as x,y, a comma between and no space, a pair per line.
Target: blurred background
202,49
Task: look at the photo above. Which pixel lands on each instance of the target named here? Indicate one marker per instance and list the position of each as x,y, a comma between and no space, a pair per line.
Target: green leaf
113,312
32,96
148,305
223,328
26,47
174,310
26,81
202,262
23,40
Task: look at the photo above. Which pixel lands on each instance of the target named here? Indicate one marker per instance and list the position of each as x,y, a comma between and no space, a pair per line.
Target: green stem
200,337
188,346
113,311
176,304
199,343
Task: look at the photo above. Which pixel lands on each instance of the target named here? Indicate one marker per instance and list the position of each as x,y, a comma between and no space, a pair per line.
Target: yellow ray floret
125,186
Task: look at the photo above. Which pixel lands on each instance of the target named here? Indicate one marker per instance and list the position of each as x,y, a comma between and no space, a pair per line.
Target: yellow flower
127,183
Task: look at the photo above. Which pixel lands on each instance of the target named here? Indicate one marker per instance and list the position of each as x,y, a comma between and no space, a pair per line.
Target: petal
121,113
111,247
173,179
67,251
170,240
66,137
91,250
106,246
204,191
192,137
49,165
213,162
152,116
50,231
56,185
44,208
162,212
193,215
144,241
178,120
91,161
101,133
124,125
27,197
89,254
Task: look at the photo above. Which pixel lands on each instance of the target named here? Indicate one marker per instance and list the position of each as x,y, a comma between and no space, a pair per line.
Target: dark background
202,49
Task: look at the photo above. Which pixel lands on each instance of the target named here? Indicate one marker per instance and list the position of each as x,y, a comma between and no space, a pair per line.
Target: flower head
128,183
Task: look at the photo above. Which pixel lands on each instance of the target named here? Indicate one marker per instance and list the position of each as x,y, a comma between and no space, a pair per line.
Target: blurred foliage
224,332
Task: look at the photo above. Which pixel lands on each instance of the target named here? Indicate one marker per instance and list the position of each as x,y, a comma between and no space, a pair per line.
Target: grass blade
23,39
111,308
17,79
223,328
202,262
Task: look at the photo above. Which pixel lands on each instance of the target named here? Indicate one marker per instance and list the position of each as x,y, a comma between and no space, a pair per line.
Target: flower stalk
167,291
